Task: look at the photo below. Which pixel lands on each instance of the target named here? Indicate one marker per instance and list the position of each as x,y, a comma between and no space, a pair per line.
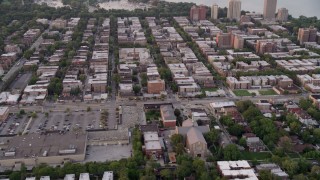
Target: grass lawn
241,92
293,155
152,115
255,155
267,92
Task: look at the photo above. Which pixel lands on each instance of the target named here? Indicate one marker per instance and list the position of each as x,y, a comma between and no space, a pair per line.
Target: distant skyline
305,7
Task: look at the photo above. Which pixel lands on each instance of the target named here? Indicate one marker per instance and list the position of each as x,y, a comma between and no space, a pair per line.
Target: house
152,146
274,169
167,116
196,143
255,144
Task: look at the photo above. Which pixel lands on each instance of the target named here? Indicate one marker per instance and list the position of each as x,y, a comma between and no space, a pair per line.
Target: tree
244,105
116,78
22,112
176,138
34,115
177,112
179,148
286,143
88,109
295,127
199,166
226,120
265,175
166,174
290,166
243,142
316,134
82,77
33,80
315,172
136,89
231,152
251,113
304,166
299,177
184,169
236,130
212,137
305,103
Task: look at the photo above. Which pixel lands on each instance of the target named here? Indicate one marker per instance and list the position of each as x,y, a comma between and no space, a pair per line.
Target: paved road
82,106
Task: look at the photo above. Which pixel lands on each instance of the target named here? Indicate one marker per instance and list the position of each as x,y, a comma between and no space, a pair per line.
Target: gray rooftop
194,136
54,144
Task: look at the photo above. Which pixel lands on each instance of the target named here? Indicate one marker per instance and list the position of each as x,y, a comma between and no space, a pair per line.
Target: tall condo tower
234,10
269,9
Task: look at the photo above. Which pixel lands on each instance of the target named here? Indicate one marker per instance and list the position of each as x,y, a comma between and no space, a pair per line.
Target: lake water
296,7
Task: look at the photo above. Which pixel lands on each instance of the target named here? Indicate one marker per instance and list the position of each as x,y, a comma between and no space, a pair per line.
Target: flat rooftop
51,144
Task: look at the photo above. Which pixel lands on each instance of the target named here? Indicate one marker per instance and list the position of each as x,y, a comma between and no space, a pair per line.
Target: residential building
198,13
6,60
255,144
255,82
224,40
98,83
234,10
167,116
84,176
69,177
4,113
265,46
108,175
269,9
30,36
152,146
12,48
236,170
283,14
307,35
214,11
58,24
311,83
125,89
274,169
156,86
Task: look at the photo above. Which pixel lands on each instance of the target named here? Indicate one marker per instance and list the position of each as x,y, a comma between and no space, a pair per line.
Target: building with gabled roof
196,143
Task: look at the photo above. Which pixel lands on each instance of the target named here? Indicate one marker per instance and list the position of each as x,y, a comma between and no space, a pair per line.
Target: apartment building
30,36
303,66
58,24
198,13
307,35
311,83
257,82
98,83
6,60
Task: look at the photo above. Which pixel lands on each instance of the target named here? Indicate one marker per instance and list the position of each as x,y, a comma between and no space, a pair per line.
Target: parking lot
68,121
13,125
108,153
